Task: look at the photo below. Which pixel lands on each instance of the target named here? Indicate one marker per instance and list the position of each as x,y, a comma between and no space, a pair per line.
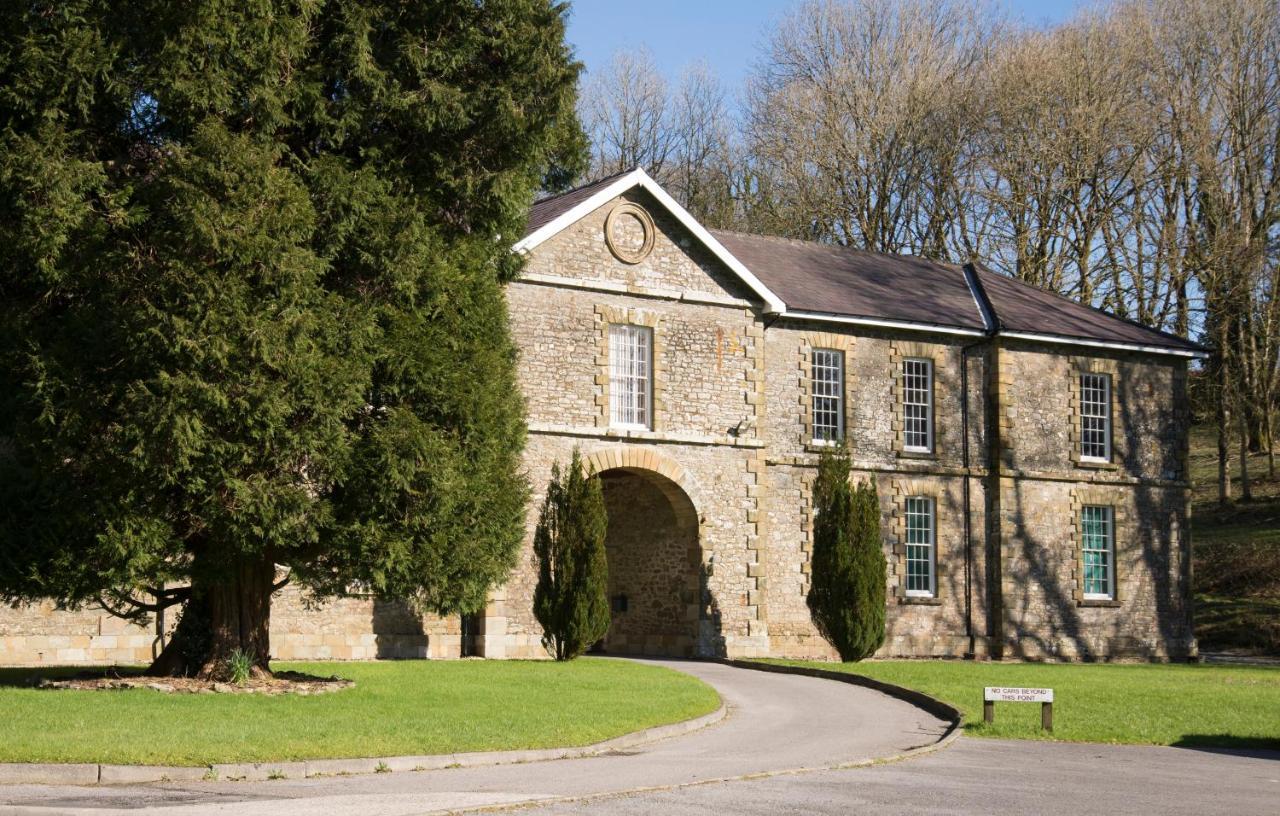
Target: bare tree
684,139
626,111
858,117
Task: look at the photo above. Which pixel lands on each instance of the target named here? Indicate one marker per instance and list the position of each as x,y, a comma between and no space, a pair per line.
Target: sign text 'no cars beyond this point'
1002,694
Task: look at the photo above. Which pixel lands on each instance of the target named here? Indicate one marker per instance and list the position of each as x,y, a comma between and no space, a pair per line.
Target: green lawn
396,708
1143,704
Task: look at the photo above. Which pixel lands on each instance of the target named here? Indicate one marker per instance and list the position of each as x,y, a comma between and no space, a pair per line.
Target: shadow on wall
1040,615
1160,515
397,631
1046,569
710,634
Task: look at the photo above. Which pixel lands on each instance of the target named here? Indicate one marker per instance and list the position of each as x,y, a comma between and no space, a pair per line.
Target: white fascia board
639,178
887,324
547,230
1075,341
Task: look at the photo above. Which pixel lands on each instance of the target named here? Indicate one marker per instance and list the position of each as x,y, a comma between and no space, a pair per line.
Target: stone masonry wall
357,628
873,421
1044,614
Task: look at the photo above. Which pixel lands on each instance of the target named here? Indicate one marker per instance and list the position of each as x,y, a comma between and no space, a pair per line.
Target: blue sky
727,34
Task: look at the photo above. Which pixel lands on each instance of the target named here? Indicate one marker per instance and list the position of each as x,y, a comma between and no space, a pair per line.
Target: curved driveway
775,723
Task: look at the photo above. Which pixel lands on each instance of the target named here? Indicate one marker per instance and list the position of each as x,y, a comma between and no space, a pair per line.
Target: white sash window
917,405
630,377
827,395
921,572
1095,417
1098,547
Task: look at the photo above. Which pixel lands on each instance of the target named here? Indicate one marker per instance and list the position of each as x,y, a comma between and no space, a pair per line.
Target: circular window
629,232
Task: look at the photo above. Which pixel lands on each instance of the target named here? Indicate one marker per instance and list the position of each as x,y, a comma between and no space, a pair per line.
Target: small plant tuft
240,666
276,774
382,767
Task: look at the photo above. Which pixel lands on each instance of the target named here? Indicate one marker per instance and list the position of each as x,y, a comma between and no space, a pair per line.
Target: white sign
1017,695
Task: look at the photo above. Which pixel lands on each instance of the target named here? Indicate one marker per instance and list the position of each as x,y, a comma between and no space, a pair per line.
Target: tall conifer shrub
847,590
571,600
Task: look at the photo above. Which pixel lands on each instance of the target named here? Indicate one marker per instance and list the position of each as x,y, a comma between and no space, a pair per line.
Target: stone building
1029,452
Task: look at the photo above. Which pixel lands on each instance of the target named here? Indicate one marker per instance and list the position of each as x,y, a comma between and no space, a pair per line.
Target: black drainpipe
989,320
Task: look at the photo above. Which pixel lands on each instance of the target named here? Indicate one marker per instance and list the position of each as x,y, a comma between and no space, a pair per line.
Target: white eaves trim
888,324
639,178
1076,341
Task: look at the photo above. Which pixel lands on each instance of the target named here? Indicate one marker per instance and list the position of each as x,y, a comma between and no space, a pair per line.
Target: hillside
1236,555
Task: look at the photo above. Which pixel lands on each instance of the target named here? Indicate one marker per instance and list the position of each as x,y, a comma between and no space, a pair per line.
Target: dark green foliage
847,591
251,306
571,600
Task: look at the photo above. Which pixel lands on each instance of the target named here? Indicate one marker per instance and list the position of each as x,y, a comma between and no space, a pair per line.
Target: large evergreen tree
847,590
571,599
251,306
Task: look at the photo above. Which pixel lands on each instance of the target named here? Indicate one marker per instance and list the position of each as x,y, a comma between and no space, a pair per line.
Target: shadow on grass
30,676
1231,745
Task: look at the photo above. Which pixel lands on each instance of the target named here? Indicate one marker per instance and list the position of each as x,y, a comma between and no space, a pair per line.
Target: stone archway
655,561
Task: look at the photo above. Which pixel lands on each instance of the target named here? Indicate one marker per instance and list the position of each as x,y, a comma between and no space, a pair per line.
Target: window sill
819,446
914,454
1099,603
1092,464
919,600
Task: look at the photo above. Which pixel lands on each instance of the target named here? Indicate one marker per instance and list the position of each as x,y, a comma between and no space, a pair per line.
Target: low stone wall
357,628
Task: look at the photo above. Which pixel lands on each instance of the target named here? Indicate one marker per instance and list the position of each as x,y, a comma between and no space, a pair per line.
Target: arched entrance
654,564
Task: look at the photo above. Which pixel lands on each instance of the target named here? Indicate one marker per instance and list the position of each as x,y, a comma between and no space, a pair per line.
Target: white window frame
1086,416
834,362
1108,550
627,369
907,393
911,508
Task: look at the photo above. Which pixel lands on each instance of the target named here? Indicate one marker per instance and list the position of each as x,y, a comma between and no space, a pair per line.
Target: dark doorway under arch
654,564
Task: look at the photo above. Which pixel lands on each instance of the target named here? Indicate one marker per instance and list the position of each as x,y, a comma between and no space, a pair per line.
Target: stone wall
40,634
359,628
873,421
1043,485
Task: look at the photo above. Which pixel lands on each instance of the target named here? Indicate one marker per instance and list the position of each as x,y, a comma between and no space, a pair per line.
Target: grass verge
1142,704
396,708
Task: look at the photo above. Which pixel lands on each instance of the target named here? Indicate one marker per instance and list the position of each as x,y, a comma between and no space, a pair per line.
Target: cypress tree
251,308
571,599
847,589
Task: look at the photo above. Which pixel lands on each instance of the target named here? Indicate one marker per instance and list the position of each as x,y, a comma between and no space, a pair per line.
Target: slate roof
549,209
824,279
813,277
1021,307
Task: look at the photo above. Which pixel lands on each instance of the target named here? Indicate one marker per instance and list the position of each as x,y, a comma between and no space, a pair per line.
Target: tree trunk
1246,489
229,612
1224,454
1271,446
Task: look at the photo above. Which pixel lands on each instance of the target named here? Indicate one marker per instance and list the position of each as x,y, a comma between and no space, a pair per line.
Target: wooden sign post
993,694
